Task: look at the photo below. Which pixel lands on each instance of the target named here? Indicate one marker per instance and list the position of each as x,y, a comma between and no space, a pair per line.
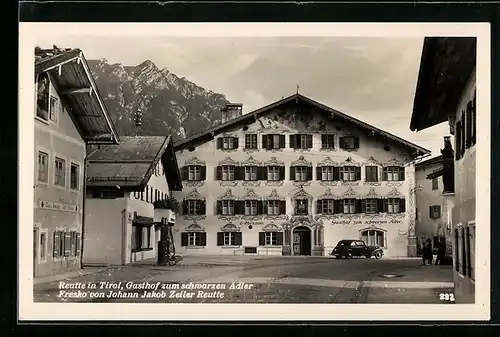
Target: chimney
231,111
138,121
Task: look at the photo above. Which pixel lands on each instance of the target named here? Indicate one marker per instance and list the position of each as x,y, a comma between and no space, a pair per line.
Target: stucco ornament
328,162
410,209
301,162
194,195
194,227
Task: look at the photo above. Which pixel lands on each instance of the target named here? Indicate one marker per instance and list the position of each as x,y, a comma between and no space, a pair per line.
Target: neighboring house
446,91
123,181
69,115
294,178
429,203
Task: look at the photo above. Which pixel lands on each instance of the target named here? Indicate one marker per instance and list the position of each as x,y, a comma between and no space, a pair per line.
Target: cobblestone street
268,280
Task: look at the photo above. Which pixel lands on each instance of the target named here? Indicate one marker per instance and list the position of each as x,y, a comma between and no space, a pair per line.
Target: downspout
82,235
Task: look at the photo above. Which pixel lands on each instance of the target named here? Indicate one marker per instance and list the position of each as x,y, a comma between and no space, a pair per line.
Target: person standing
441,251
427,253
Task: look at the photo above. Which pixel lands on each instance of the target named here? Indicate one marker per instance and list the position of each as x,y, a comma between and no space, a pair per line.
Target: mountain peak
171,105
147,64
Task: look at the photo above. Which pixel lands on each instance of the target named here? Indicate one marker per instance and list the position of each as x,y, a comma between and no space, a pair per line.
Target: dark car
355,248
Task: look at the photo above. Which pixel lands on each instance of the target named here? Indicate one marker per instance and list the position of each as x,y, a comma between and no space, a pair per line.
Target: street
260,280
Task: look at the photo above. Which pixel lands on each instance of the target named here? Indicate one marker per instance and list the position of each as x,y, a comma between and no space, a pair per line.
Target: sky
370,78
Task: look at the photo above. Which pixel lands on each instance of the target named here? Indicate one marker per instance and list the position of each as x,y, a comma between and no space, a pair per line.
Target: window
327,141
193,207
194,239
435,183
43,246
371,205
250,173
43,167
60,172
393,173
349,173
301,173
228,173
66,243
227,207
271,238
301,207
473,121
327,206
301,141
251,141
273,207
74,176
42,101
458,139
327,173
393,205
273,173
273,142
194,173
141,238
371,173
54,108
373,238
349,206
229,239
251,207
227,143
349,143
435,211
147,194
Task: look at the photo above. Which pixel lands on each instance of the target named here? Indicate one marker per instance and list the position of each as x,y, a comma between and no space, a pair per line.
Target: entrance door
301,241
35,250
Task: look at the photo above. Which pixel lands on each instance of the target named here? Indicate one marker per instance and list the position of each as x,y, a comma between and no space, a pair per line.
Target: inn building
123,183
69,116
294,178
446,92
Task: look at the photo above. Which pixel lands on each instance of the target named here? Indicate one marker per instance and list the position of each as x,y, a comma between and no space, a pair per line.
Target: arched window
374,237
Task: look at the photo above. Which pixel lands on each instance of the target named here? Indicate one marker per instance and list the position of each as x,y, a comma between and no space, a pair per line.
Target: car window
353,244
360,243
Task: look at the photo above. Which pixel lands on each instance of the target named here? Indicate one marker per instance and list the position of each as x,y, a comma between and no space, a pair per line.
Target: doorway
35,250
301,241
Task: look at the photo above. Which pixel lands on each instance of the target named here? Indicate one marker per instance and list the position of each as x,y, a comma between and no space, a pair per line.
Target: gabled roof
430,161
446,65
210,133
70,74
130,163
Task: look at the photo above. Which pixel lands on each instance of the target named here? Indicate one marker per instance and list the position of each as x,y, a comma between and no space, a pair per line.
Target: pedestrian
427,253
441,251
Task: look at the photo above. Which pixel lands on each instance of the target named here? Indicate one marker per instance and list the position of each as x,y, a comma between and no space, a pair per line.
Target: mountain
169,104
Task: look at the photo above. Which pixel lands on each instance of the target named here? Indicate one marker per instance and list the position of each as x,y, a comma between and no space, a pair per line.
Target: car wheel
378,255
349,255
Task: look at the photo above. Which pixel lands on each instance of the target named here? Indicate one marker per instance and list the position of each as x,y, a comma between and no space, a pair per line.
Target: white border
28,310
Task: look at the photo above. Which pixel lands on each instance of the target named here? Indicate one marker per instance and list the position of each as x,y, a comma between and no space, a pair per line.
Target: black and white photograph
221,170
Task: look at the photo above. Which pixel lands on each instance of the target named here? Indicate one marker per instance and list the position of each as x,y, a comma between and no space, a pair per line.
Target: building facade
123,182
430,221
453,99
64,93
294,178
